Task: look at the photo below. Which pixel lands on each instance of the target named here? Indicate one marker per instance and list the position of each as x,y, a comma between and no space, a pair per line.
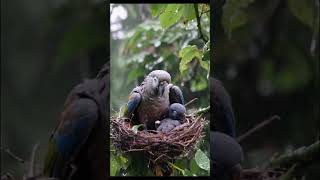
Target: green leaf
194,167
302,10
124,162
205,8
157,9
204,64
188,12
187,54
199,84
206,56
171,15
136,127
202,160
186,172
114,166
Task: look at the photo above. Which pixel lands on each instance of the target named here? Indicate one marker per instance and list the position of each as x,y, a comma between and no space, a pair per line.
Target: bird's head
152,86
161,75
177,111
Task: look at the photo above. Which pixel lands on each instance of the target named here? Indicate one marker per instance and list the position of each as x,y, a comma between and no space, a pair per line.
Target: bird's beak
174,113
161,88
157,123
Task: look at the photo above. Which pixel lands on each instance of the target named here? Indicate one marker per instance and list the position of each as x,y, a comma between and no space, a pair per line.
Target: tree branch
257,127
301,155
199,23
202,110
11,154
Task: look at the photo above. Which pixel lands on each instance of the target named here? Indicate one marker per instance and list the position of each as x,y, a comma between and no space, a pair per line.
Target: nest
179,142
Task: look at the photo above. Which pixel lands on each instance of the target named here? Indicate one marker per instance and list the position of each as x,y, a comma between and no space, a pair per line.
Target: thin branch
188,103
175,167
8,176
31,171
203,110
204,12
199,23
257,127
289,174
300,155
11,154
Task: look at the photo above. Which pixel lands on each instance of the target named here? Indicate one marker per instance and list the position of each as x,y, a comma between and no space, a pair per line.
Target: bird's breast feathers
153,108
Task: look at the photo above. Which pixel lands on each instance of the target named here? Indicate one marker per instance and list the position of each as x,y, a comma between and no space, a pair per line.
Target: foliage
267,58
169,39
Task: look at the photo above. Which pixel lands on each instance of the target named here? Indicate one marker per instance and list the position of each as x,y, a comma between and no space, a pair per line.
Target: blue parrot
150,101
222,113
176,116
76,148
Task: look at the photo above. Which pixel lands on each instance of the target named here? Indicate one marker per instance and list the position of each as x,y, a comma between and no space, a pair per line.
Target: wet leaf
114,166
188,12
157,9
171,15
202,160
187,54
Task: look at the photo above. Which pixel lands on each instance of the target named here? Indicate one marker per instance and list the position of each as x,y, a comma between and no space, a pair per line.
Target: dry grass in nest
179,142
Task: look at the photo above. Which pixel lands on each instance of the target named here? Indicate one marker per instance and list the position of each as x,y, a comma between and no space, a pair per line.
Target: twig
204,12
32,160
199,23
8,176
303,154
203,110
188,103
289,174
176,167
11,154
257,127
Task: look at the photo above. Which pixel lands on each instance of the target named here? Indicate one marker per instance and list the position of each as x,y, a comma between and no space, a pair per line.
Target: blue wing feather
175,95
134,100
76,124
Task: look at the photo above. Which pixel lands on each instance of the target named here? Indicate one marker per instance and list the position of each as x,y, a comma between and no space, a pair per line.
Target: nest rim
159,146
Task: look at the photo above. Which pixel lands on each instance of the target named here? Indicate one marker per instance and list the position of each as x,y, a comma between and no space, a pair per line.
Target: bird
226,156
176,116
226,153
223,115
76,148
150,101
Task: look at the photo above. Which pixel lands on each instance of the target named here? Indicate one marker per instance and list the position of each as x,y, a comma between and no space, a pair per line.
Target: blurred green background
47,47
267,55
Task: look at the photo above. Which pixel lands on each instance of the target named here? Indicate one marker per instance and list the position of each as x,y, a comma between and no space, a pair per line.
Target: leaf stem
176,167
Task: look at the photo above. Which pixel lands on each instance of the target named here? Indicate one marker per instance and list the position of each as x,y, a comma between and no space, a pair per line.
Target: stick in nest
161,146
